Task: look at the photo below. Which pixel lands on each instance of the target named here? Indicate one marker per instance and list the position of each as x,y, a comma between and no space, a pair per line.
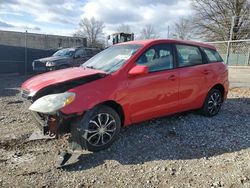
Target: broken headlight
50,104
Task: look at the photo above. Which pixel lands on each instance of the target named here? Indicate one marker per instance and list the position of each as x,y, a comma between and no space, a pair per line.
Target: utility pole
230,40
168,31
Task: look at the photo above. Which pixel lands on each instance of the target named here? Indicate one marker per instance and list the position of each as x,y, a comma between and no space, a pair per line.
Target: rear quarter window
212,55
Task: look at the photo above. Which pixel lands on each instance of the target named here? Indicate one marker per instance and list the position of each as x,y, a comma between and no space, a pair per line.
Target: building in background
19,49
39,41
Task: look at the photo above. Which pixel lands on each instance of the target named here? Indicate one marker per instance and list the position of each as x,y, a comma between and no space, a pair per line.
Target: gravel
184,150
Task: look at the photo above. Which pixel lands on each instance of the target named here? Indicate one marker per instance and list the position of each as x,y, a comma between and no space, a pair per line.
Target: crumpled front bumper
48,125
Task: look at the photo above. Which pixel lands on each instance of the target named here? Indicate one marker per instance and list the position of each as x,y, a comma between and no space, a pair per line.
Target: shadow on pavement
180,137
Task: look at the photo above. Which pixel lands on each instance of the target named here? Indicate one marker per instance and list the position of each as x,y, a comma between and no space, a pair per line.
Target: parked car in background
64,58
125,84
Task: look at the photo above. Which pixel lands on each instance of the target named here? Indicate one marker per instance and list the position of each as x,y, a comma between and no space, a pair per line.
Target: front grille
38,64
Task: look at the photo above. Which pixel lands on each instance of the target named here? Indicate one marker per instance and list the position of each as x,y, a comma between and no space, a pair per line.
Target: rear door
215,67
89,53
191,67
156,93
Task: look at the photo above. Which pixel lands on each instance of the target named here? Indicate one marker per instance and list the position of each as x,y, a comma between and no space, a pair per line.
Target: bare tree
92,29
182,29
124,28
148,32
214,18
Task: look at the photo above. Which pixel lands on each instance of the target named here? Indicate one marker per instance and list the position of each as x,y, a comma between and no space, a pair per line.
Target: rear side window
188,55
212,55
89,52
96,51
80,53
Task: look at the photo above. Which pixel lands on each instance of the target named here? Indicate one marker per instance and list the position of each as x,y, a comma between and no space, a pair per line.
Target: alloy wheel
101,129
214,103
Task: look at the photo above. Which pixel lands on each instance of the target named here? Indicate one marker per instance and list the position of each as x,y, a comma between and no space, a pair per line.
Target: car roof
67,49
80,47
156,41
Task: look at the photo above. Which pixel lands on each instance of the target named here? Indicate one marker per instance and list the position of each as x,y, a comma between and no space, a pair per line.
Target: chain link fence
235,48
238,53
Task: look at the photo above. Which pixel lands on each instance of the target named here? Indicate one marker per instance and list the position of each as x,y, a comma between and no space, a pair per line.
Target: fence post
229,41
248,57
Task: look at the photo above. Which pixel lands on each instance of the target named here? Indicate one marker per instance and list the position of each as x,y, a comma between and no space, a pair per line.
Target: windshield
68,52
113,58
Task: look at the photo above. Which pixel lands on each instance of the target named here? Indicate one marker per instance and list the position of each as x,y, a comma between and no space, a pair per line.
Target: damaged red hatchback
125,84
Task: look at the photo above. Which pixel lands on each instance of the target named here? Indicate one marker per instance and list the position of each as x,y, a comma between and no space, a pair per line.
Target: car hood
41,81
52,58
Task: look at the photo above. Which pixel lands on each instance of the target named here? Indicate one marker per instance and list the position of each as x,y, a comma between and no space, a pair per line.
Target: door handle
172,77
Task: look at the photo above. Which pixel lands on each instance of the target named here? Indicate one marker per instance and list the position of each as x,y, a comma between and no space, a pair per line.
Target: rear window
212,55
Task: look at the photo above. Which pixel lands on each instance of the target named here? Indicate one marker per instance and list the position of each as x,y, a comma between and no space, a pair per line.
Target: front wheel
212,104
97,130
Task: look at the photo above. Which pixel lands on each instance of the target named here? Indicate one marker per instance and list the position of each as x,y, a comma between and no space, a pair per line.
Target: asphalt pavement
239,76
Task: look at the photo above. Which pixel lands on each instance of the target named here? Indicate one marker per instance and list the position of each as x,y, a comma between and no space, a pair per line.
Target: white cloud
159,13
57,11
65,15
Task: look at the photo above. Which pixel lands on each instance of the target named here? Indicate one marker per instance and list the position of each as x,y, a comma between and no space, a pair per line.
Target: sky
61,17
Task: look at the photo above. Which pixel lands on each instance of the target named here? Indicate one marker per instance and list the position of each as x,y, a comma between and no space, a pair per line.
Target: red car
125,84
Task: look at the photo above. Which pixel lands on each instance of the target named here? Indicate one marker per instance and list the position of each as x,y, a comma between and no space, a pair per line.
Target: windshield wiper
90,67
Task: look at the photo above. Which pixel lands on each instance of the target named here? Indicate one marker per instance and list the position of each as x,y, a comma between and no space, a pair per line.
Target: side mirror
138,70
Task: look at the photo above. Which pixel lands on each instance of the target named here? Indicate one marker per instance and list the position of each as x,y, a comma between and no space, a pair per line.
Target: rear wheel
97,130
212,104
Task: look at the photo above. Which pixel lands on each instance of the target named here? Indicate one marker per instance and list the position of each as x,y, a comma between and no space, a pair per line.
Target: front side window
188,55
212,55
80,53
157,58
113,58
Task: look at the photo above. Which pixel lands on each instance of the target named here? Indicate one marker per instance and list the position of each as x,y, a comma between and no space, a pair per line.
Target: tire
212,104
97,129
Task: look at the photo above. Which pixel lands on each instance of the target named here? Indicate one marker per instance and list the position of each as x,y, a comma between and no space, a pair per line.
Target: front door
154,94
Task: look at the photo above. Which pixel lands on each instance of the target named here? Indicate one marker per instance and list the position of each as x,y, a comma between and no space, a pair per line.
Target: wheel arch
221,88
117,107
